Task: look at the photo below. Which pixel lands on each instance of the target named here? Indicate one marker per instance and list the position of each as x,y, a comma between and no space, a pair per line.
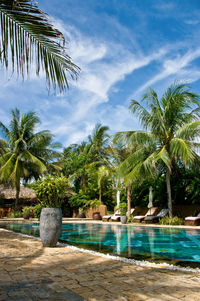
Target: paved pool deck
30,272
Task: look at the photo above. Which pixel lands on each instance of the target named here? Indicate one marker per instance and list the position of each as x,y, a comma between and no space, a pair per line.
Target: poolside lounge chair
115,217
155,218
192,220
140,218
106,218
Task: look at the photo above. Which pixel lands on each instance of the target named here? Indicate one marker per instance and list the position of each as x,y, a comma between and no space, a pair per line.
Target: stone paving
30,272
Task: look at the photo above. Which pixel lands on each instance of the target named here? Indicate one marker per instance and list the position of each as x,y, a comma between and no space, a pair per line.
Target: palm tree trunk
168,173
100,193
118,197
17,196
83,184
129,200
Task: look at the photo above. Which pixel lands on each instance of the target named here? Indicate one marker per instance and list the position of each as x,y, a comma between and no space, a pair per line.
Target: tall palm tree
98,143
172,129
80,158
102,175
27,36
120,153
28,153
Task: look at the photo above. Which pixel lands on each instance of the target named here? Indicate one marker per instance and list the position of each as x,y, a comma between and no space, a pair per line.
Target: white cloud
175,67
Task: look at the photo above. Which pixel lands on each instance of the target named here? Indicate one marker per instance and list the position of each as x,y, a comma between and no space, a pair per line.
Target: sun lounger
115,217
192,220
155,218
140,218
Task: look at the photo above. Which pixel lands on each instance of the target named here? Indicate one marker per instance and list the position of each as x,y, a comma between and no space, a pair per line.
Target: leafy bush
51,191
26,211
15,213
81,201
123,208
130,219
171,220
37,210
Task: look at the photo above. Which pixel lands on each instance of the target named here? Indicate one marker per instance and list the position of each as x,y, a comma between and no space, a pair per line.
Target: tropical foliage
28,153
172,129
111,171
27,36
52,190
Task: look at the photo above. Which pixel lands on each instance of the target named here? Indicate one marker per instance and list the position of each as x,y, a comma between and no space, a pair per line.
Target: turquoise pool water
176,246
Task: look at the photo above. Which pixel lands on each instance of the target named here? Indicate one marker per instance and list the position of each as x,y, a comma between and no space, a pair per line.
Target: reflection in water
153,244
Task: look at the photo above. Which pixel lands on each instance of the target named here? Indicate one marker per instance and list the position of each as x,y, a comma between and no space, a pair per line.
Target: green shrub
15,213
171,220
81,201
51,191
130,219
122,208
37,210
26,211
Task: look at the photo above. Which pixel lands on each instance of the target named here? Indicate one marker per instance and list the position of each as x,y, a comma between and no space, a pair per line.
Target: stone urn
123,219
50,226
26,216
96,216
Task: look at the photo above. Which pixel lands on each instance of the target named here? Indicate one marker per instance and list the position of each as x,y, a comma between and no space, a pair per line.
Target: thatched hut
9,193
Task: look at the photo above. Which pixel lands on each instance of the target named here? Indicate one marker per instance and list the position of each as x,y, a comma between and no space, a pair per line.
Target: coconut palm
79,159
27,152
119,154
172,129
98,142
27,36
102,175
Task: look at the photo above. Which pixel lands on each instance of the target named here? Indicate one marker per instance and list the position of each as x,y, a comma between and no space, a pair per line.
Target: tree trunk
168,173
118,197
83,184
129,200
100,193
17,196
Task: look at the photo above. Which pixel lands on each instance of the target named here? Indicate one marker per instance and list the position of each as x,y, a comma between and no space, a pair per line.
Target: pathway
30,272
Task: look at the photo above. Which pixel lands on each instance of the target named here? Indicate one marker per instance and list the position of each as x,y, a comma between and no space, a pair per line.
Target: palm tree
27,152
102,175
27,35
79,159
119,154
172,127
98,144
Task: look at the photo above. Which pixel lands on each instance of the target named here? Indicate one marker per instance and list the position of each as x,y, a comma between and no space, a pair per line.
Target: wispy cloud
176,67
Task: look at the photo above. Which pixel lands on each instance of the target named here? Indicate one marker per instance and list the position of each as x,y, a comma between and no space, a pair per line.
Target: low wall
186,210
102,209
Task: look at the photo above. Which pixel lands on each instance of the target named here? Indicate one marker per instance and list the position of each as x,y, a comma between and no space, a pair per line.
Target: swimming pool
171,245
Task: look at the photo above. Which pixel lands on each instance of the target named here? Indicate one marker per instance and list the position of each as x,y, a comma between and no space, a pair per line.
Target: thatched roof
10,193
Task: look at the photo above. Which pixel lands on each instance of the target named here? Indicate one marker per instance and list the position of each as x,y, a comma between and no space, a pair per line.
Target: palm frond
181,149
189,131
31,158
27,36
142,113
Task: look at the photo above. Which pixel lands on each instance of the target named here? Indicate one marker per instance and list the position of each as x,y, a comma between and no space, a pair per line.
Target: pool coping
89,220
142,263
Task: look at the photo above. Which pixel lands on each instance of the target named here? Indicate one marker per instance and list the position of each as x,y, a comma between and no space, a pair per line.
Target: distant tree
80,159
27,36
28,153
173,131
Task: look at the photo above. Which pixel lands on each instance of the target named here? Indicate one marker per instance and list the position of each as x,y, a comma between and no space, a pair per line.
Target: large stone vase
50,226
123,219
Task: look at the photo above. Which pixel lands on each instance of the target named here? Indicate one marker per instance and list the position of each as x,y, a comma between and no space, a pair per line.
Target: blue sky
122,48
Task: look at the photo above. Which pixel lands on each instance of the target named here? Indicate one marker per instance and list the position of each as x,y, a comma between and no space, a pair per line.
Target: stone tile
34,273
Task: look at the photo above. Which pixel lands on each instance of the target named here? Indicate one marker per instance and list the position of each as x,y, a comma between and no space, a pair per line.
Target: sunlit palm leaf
27,36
